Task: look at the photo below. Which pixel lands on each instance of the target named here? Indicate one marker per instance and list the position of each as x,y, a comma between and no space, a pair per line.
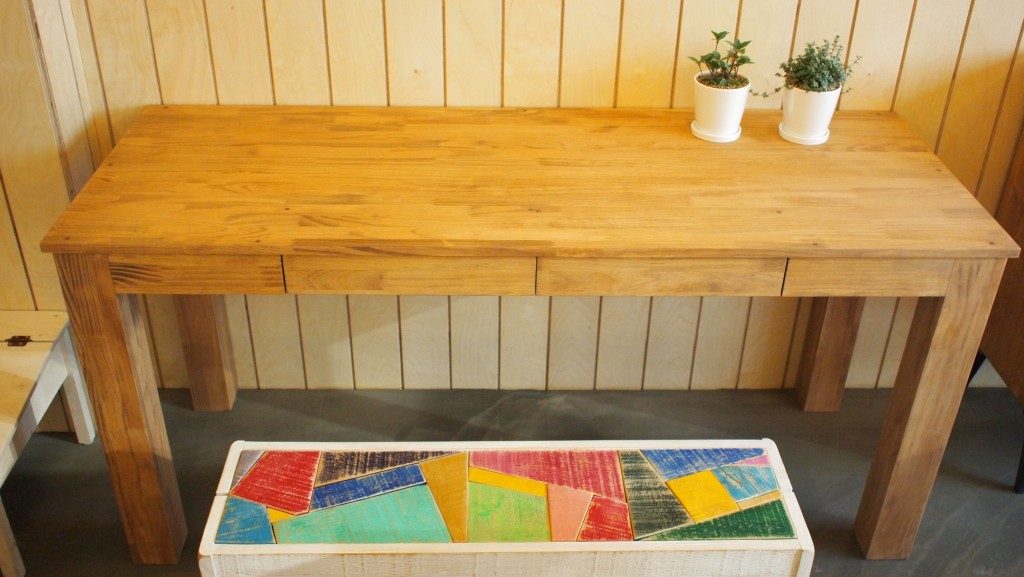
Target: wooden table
200,201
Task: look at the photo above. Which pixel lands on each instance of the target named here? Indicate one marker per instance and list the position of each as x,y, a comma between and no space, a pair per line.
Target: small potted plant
813,82
720,91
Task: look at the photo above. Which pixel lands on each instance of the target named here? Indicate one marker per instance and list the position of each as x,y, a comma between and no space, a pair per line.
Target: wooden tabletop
492,182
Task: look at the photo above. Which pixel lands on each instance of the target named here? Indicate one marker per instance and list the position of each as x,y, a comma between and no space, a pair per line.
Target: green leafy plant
722,71
820,68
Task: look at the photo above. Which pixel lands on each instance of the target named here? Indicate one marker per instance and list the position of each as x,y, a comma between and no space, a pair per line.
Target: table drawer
660,276
197,274
410,275
867,277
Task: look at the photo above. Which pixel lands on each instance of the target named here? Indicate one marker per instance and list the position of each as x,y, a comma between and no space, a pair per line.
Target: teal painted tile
245,523
744,482
405,516
768,521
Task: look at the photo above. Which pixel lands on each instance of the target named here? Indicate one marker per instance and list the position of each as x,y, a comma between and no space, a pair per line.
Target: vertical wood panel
475,333
769,333
125,54
276,342
15,293
769,28
590,46
532,51
878,38
699,18
823,20
182,51
524,342
87,69
869,349
473,52
978,87
376,344
716,361
928,64
1005,135
355,39
622,343
166,341
650,29
898,334
326,346
415,52
298,51
796,349
572,348
241,58
30,161
426,356
670,341
241,341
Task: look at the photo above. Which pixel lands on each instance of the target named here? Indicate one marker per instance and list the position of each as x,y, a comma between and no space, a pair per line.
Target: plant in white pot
813,82
720,91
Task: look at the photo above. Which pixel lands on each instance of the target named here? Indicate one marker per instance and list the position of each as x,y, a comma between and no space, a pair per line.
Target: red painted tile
594,471
607,520
281,479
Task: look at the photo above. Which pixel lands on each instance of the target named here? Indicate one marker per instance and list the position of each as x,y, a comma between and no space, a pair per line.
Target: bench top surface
244,180
435,493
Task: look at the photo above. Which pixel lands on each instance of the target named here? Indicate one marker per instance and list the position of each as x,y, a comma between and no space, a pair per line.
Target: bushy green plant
820,68
723,71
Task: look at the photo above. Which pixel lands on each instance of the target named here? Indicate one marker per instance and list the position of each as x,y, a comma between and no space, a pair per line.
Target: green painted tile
768,521
652,506
499,515
405,516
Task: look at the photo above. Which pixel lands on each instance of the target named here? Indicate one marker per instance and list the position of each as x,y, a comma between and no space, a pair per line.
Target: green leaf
720,35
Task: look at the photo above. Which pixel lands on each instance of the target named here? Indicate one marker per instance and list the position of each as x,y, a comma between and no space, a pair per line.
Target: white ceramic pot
806,115
717,112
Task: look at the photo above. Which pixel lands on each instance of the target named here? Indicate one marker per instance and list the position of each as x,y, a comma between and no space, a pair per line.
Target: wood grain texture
475,341
473,45
355,44
376,344
41,326
867,277
409,275
240,52
719,348
647,62
873,83
533,41
165,338
572,344
110,339
415,45
1004,136
523,356
241,341
87,72
426,352
298,51
828,347
767,343
211,363
575,276
590,47
769,27
699,18
943,340
15,291
276,341
326,344
197,275
820,20
898,333
670,342
622,342
182,51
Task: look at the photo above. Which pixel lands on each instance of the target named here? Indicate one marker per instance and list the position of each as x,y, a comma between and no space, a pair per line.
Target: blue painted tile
362,487
744,481
245,523
674,463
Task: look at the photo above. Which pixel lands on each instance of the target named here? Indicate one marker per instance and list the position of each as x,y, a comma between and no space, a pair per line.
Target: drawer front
867,277
213,274
410,275
660,276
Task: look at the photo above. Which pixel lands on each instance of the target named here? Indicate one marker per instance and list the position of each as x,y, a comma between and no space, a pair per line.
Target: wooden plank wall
953,68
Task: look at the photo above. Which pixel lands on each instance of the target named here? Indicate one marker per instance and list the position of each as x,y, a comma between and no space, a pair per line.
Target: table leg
944,337
110,337
203,320
825,361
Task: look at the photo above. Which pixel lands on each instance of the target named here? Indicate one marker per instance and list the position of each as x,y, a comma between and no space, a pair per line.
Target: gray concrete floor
62,509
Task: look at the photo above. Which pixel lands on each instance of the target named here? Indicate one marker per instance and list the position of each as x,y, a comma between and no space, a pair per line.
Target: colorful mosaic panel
503,496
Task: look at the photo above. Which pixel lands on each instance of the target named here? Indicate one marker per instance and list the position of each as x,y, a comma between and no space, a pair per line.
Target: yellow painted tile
446,479
760,500
494,479
703,496
276,515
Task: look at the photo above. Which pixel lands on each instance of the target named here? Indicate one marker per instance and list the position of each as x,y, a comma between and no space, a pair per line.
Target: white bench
506,509
37,359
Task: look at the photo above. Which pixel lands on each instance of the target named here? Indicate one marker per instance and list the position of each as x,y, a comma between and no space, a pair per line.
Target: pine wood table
202,201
